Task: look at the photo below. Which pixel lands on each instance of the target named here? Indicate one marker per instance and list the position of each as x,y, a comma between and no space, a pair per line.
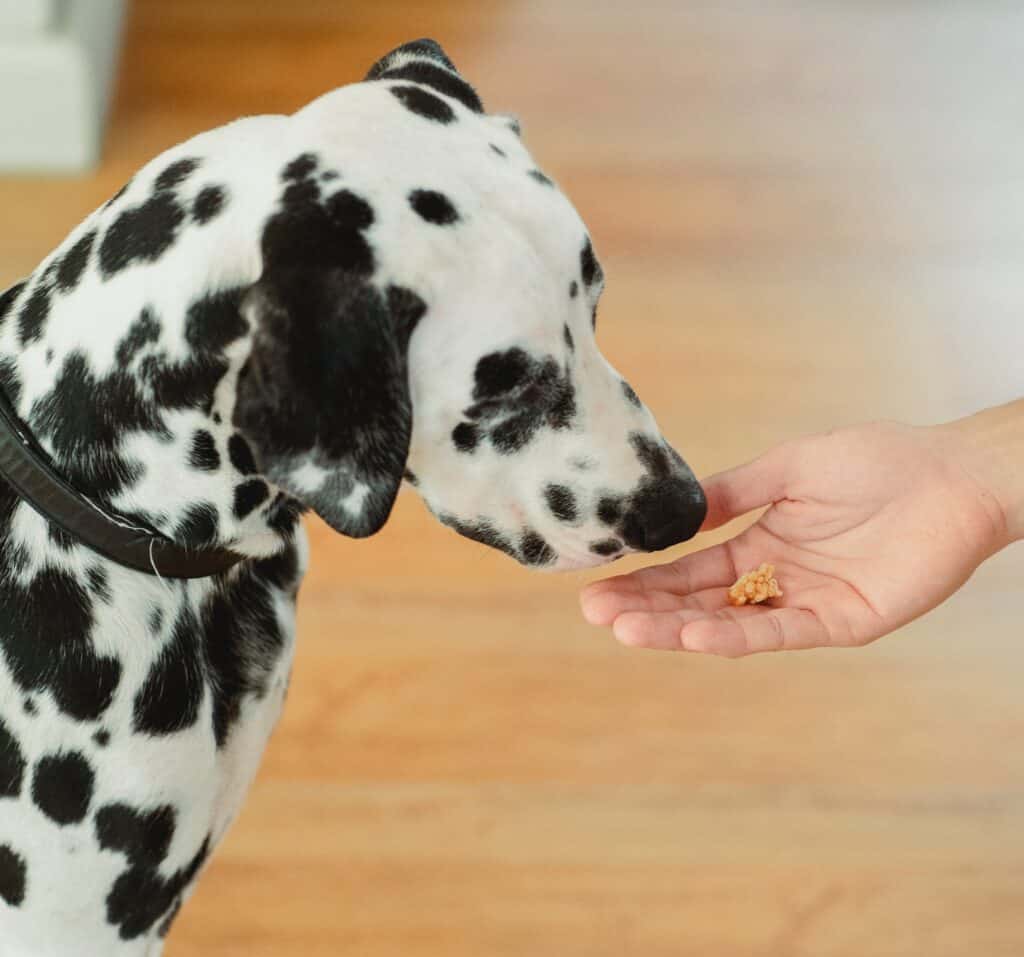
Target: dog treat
755,587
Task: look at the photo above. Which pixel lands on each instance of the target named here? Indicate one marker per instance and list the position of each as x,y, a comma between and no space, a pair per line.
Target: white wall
57,65
21,17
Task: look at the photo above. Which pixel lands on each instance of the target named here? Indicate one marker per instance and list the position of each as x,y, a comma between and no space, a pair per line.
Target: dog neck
127,382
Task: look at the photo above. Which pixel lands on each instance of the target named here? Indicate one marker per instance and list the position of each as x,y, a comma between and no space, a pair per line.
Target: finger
742,489
731,633
603,607
734,635
661,631
709,568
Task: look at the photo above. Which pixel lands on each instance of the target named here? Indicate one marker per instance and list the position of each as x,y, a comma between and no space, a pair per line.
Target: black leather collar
27,468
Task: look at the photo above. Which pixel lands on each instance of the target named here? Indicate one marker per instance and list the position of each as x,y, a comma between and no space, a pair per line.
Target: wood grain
810,214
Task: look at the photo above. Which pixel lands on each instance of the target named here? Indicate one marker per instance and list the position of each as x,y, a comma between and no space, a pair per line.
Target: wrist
990,448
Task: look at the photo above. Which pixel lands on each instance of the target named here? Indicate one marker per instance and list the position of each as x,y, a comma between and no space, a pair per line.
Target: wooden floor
811,214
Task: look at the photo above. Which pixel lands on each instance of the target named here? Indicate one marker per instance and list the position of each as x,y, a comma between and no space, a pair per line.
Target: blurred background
810,214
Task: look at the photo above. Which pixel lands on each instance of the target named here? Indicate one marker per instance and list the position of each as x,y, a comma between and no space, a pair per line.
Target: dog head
426,309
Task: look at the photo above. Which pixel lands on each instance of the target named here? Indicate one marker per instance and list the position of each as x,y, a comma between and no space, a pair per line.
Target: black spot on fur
480,531
327,236
424,104
514,434
188,384
143,837
328,175
141,234
44,634
198,527
141,896
49,276
499,150
652,455
208,203
442,80
631,396
424,48
466,437
606,547
99,583
62,786
12,764
17,559
567,336
500,372
243,637
300,168
10,384
516,395
563,404
540,177
8,298
12,876
574,289
74,262
156,619
203,454
85,418
406,310
169,699
609,510
302,193
410,477
561,502
349,211
589,266
280,570
241,455
283,514
249,495
30,707
176,173
62,539
213,322
534,550
141,333
34,313
102,738
433,206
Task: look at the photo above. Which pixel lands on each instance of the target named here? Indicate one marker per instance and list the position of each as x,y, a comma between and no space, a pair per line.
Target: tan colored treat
755,587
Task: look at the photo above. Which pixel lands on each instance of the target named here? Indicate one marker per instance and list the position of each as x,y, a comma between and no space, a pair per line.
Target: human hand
868,528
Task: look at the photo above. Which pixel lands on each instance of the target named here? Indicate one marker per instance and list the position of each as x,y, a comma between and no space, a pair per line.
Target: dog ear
324,395
424,62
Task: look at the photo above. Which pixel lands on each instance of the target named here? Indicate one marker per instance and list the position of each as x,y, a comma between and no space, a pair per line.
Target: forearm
991,447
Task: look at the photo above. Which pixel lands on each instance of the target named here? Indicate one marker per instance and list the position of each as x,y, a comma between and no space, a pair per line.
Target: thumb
758,483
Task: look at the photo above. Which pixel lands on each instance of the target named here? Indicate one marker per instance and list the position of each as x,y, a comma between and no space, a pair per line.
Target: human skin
868,528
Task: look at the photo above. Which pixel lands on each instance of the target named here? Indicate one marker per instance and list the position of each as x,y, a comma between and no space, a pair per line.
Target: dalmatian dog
286,313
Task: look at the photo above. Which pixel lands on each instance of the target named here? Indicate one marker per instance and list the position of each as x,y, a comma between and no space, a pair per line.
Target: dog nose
664,514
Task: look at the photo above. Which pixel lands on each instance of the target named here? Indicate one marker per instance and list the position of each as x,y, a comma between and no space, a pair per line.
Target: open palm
868,528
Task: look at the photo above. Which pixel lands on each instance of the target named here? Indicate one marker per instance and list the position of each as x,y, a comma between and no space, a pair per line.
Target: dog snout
664,514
